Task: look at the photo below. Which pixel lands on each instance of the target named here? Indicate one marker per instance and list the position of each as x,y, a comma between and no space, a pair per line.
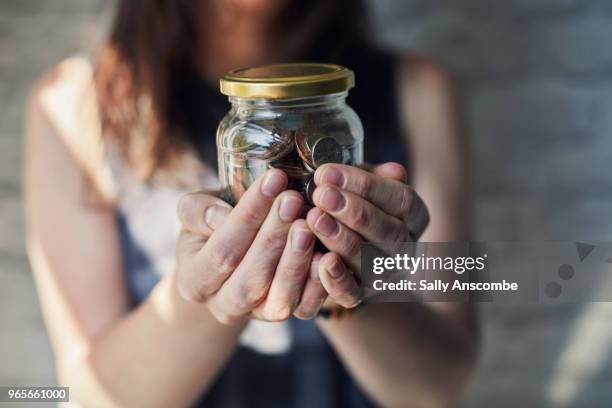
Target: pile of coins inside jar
292,117
301,153
298,153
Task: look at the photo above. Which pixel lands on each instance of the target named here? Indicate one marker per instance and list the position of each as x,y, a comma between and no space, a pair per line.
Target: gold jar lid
287,81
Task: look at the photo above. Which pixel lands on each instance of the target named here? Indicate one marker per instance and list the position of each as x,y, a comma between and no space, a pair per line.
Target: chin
259,7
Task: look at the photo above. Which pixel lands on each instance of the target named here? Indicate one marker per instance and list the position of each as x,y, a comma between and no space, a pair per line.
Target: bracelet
335,313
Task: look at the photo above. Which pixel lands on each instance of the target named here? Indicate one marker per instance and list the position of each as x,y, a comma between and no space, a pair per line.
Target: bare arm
416,354
233,264
438,162
163,353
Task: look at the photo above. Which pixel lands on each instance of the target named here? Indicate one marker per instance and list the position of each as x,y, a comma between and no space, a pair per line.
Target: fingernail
273,184
301,239
289,208
326,226
332,199
215,215
336,270
332,176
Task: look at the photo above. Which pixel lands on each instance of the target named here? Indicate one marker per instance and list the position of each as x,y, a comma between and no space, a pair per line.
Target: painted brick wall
33,35
538,83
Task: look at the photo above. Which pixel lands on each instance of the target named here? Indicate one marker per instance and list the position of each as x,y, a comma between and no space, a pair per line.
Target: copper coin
280,148
261,142
302,147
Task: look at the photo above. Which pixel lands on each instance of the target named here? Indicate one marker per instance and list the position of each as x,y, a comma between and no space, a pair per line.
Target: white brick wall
33,35
538,82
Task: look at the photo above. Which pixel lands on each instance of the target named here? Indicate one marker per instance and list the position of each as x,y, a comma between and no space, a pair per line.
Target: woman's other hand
355,206
253,260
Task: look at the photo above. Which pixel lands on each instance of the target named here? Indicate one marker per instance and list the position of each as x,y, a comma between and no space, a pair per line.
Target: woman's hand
250,261
353,206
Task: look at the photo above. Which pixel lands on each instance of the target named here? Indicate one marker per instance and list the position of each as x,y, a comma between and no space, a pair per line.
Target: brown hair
150,45
136,70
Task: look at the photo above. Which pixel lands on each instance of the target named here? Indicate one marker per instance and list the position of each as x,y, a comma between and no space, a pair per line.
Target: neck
233,37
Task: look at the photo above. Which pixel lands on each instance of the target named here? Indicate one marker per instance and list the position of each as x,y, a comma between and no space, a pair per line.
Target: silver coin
326,150
308,167
309,189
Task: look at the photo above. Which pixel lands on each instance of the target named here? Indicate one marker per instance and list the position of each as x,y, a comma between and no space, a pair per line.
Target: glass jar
292,117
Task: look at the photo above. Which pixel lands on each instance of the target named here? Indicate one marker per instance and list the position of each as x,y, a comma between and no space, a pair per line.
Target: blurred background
537,78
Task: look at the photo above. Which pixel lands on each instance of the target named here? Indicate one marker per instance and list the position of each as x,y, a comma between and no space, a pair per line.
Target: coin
273,153
326,150
280,148
307,167
309,189
260,142
292,165
302,147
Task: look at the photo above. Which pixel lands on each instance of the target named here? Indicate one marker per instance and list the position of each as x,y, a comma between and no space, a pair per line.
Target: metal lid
285,81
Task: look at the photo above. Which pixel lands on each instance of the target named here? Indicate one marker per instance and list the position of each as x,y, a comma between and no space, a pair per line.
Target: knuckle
236,300
361,217
366,185
279,314
274,240
249,296
256,295
250,212
407,200
352,246
224,260
293,272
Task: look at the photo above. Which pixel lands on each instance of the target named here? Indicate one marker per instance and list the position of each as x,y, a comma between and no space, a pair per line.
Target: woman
140,315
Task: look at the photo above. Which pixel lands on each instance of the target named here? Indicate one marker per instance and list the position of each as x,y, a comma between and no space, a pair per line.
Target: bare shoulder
425,73
59,88
430,101
62,116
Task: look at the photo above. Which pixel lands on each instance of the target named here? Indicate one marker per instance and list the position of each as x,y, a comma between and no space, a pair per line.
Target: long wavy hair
150,45
149,41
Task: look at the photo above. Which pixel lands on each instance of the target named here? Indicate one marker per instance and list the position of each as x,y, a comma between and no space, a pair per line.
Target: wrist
188,315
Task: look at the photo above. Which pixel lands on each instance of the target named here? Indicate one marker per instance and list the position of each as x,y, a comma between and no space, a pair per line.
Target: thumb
391,170
201,212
